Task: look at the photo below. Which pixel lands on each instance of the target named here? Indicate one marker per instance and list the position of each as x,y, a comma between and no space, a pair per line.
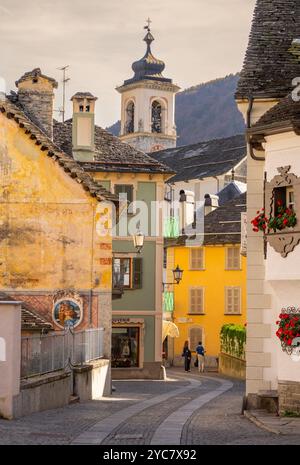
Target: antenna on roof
64,82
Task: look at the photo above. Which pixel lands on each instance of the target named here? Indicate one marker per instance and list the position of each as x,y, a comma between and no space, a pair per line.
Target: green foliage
291,414
233,340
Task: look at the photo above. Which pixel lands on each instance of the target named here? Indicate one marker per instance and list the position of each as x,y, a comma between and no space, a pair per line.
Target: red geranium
288,328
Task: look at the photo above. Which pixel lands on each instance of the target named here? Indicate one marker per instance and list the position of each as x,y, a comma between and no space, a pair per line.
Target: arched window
129,118
156,117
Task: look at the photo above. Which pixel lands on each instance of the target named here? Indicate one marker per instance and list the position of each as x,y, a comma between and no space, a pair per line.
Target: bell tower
148,104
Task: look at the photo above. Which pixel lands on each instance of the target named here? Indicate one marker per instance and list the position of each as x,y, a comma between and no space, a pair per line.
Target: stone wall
289,397
232,366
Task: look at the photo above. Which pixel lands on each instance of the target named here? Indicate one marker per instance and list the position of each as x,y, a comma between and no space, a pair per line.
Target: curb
260,424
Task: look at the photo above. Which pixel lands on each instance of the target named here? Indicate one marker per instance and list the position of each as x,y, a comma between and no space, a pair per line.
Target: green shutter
137,271
168,301
125,189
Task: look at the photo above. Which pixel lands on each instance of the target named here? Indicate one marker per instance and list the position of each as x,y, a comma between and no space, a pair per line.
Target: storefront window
125,347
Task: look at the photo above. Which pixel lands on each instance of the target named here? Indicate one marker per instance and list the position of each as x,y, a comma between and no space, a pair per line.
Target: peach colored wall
10,332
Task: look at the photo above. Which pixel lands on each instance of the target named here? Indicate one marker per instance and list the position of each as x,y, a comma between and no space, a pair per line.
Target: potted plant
284,218
288,328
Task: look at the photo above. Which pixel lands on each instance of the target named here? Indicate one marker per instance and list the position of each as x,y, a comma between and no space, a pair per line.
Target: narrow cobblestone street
187,409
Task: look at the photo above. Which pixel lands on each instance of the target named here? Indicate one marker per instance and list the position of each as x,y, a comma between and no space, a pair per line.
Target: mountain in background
204,112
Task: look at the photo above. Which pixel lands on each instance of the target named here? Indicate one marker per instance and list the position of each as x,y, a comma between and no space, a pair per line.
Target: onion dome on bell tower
148,67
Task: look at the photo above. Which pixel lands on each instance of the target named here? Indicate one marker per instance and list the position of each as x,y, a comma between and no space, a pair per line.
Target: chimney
211,202
187,209
36,95
83,126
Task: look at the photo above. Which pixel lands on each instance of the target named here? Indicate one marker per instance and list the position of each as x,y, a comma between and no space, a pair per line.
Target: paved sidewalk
286,426
186,409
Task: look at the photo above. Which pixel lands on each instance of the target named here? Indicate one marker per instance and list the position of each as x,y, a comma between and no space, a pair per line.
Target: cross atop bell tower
148,103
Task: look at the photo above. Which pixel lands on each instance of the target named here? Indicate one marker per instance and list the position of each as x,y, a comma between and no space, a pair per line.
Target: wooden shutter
197,258
233,300
233,258
196,300
137,272
195,336
125,189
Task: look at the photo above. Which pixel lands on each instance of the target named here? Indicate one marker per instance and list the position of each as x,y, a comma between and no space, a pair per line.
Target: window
290,197
233,258
195,336
129,118
233,300
196,300
125,192
127,273
197,258
125,347
87,108
156,117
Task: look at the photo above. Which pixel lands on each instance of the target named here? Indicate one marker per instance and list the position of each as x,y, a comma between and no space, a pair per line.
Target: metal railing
56,351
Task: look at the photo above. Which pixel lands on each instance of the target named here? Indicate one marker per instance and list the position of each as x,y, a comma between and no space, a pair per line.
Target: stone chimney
36,95
211,202
83,126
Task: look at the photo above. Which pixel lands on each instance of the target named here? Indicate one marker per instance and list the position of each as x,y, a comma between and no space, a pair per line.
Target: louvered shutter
197,258
196,300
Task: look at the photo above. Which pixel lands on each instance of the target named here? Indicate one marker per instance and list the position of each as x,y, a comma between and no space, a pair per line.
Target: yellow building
213,288
55,242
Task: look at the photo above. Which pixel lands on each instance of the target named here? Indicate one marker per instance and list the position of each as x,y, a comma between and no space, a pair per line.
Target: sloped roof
110,153
204,159
269,67
35,73
287,111
231,191
221,226
30,320
70,166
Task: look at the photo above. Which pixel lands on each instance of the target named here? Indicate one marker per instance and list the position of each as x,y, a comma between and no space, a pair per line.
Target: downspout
249,111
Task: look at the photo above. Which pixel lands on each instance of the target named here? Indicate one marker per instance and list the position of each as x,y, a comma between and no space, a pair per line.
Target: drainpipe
249,111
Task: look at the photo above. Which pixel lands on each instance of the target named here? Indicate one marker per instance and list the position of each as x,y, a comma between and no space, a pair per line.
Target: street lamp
177,275
138,241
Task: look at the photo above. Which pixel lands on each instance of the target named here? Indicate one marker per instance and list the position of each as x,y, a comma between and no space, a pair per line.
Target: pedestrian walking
187,354
200,355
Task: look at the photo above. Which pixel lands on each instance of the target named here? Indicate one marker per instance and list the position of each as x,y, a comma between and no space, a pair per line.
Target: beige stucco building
273,168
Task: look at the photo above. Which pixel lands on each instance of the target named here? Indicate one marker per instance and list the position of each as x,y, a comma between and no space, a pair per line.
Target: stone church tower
148,104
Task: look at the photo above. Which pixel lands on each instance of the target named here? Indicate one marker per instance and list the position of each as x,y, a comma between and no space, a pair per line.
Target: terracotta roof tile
30,320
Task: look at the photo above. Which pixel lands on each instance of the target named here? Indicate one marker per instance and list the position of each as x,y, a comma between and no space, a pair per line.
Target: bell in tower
148,104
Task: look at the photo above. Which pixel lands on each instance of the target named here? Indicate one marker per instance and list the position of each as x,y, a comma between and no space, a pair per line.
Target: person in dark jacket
187,354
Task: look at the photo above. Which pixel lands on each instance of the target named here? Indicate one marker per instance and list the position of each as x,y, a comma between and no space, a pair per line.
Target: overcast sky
199,40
